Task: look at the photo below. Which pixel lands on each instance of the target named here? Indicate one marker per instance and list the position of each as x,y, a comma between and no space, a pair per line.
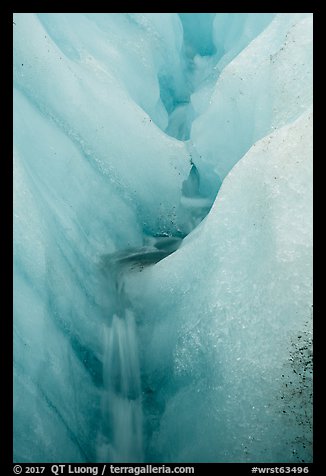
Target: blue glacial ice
163,237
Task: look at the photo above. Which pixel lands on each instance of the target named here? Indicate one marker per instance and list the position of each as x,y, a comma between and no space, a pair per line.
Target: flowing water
121,435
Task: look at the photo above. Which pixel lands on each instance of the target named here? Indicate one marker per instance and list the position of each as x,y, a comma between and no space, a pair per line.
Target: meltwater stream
121,434
130,125
121,438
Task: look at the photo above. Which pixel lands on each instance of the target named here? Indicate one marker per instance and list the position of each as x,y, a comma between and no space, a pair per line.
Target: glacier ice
268,84
162,237
227,331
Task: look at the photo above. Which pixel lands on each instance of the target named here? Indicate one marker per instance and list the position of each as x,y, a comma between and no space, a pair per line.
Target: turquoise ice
163,237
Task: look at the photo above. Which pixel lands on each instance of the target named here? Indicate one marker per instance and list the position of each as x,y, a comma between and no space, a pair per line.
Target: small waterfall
121,404
120,439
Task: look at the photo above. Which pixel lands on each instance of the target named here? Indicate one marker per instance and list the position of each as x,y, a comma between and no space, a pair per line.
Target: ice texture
268,84
92,174
226,320
142,330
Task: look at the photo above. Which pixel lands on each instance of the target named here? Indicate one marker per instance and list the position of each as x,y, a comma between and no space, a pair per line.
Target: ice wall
93,174
226,320
227,351
125,126
268,84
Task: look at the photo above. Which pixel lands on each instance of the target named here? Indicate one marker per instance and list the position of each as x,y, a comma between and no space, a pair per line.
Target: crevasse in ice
162,237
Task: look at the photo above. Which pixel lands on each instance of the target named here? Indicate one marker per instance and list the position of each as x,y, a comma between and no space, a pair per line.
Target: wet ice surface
143,256
225,321
121,434
162,237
